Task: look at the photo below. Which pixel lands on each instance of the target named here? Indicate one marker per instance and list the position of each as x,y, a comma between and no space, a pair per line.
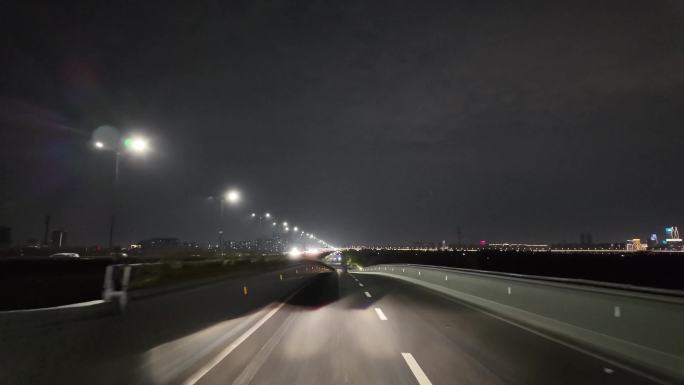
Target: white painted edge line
229,349
368,294
416,369
380,314
542,334
251,369
69,306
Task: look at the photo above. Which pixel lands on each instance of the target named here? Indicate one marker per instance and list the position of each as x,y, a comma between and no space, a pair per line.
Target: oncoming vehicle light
294,253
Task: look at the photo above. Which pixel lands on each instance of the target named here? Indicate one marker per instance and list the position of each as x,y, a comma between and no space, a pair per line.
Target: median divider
147,280
125,282
640,327
52,316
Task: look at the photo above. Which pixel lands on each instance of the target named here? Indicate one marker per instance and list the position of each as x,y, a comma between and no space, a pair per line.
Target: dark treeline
659,270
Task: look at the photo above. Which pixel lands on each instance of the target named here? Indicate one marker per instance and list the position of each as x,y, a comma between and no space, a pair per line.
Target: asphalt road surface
366,329
341,328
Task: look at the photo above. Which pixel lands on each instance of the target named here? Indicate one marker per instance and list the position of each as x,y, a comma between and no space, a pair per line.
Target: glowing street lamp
284,224
233,196
267,215
136,144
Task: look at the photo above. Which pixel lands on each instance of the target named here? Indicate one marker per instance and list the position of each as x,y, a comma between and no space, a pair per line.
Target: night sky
362,121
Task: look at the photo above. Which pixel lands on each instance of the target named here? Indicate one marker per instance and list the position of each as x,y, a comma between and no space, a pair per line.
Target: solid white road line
225,352
250,371
367,294
415,368
380,314
556,340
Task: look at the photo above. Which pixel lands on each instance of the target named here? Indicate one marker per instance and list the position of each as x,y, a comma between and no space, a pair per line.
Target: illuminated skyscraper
672,233
672,239
635,245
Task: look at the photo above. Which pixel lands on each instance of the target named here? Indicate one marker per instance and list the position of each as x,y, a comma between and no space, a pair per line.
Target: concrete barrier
640,327
51,316
117,348
117,292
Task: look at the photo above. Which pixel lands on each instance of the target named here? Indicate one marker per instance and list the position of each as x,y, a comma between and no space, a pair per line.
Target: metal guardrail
639,326
576,283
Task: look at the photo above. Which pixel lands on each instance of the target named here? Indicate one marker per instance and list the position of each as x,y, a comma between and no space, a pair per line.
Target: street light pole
220,244
231,197
115,192
133,144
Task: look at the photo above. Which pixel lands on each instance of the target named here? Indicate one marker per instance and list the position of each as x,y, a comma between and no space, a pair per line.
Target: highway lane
157,340
367,329
339,328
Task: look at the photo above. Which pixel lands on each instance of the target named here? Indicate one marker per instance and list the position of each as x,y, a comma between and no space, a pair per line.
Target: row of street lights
287,227
106,138
234,197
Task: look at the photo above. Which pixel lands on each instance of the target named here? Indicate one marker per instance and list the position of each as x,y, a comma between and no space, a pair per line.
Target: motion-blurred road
366,329
339,328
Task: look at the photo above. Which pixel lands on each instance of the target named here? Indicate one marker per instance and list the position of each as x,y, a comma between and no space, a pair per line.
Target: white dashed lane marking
415,368
380,314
